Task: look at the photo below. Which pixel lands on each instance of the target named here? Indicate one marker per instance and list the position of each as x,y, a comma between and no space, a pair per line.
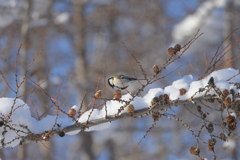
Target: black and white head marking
110,82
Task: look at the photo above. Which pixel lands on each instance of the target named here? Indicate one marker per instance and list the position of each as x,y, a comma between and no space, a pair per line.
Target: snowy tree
55,84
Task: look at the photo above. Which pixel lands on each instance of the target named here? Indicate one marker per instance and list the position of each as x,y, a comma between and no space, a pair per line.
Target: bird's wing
129,78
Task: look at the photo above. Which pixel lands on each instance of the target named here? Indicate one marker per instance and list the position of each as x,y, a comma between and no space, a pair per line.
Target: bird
121,82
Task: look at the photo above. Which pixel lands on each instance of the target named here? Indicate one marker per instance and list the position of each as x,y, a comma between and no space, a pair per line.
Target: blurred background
81,38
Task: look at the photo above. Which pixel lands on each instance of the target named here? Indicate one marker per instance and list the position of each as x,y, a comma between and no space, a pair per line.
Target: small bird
121,82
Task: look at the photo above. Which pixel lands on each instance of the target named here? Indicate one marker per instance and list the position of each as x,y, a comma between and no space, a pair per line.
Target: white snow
186,82
22,116
201,18
230,144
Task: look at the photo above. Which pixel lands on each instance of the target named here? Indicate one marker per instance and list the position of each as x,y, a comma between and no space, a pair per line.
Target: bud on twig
171,51
210,128
155,116
72,112
130,109
223,136
228,102
225,93
183,91
194,151
117,95
61,134
156,69
98,94
177,47
154,101
165,99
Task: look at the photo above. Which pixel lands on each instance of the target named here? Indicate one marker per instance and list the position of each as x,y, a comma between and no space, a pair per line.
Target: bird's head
114,77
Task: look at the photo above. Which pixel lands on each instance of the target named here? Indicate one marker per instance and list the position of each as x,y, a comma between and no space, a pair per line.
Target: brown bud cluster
223,136
165,99
210,128
117,95
183,91
228,102
98,94
130,109
211,143
154,101
177,47
225,93
231,122
156,69
194,151
72,112
155,116
171,51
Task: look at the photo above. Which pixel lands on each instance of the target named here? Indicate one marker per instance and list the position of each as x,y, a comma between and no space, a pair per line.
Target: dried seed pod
160,99
155,116
228,102
225,93
183,91
72,112
212,142
156,69
154,101
130,109
230,119
61,134
194,151
211,81
98,94
165,99
232,91
117,95
177,47
223,136
232,126
210,128
171,51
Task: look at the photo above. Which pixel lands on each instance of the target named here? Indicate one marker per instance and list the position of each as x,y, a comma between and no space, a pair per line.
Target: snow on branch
222,86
